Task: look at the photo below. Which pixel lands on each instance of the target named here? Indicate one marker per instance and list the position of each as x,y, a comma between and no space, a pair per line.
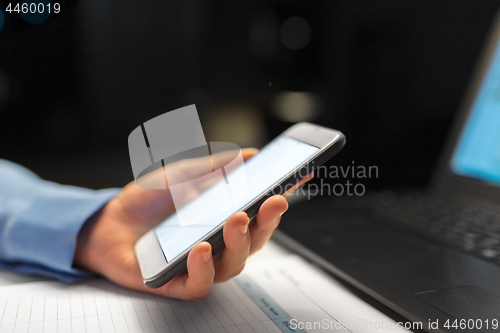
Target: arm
40,222
49,229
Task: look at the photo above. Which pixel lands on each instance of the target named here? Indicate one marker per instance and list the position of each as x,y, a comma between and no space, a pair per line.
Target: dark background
390,74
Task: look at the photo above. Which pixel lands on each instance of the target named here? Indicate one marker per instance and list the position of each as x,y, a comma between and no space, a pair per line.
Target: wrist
86,246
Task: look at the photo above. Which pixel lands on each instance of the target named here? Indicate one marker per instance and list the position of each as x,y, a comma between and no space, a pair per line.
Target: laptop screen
477,154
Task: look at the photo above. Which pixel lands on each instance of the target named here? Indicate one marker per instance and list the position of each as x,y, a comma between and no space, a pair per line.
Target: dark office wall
399,70
389,74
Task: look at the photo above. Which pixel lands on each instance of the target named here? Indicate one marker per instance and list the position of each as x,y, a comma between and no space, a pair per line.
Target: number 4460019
34,8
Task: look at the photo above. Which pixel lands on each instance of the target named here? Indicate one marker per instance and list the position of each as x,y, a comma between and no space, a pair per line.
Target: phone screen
265,169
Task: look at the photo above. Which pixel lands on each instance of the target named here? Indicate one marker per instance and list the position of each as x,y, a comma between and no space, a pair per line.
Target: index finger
299,184
199,278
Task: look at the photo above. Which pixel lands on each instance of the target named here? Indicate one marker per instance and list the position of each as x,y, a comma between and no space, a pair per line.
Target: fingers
237,241
199,278
187,178
248,153
299,184
151,204
267,219
222,164
192,168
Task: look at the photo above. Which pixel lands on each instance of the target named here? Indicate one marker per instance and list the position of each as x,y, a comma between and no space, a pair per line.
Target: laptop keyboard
467,228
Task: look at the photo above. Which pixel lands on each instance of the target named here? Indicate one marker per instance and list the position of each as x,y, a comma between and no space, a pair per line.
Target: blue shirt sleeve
40,221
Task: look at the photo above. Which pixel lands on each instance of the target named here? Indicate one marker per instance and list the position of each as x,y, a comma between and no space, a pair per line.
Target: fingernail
244,228
206,256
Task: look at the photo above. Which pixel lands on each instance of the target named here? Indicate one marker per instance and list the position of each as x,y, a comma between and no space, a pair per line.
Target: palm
106,243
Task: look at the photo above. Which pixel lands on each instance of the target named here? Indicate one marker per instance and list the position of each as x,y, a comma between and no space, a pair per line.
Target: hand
106,242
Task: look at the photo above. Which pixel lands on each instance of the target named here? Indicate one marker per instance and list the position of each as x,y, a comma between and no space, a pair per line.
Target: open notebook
271,296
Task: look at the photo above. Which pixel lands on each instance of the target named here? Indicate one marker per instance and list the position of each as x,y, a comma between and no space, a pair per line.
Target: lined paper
270,296
100,306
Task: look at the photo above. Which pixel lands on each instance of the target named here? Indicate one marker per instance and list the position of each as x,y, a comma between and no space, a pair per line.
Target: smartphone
162,252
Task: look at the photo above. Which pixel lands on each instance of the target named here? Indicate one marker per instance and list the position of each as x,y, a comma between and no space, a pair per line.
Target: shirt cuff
42,238
33,269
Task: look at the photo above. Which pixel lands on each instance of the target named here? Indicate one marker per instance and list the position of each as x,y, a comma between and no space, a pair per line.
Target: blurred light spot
295,33
2,18
296,106
238,122
4,87
37,17
263,35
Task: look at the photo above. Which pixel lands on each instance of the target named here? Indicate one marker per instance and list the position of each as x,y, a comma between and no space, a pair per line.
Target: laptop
433,257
